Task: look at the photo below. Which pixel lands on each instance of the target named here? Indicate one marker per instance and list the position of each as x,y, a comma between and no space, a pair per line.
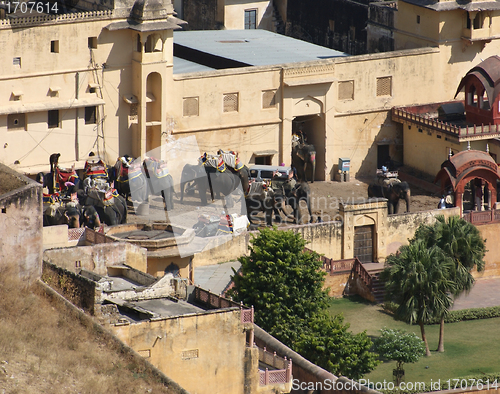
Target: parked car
266,172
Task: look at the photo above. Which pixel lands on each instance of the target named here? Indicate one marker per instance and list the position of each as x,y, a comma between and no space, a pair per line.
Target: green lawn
471,347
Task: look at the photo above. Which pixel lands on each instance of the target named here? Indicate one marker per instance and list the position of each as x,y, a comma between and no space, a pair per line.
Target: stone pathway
484,293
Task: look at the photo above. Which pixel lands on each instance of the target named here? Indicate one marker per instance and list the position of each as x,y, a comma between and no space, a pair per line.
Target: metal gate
363,243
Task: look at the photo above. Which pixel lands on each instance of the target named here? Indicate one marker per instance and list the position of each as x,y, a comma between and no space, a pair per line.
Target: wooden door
363,243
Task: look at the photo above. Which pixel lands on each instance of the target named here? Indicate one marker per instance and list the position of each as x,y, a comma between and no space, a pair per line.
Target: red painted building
482,90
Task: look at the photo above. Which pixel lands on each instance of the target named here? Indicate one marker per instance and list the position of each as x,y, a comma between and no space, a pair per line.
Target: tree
417,279
462,242
401,347
284,283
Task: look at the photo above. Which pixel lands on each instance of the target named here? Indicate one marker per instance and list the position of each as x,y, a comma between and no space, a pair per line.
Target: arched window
172,269
154,43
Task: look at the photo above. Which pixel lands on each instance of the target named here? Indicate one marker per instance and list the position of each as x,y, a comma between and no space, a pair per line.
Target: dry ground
42,350
326,198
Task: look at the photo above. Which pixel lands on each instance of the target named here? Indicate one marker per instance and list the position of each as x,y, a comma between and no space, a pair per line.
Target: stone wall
21,223
77,289
209,346
97,258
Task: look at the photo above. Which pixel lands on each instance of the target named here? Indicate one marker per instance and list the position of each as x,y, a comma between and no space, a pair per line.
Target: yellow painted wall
200,352
234,14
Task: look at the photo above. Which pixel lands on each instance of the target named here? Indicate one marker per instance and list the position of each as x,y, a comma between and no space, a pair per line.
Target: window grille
269,99
190,106
250,19
346,90
384,86
230,102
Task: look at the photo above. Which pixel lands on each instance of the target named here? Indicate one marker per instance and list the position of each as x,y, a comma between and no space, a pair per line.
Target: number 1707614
32,7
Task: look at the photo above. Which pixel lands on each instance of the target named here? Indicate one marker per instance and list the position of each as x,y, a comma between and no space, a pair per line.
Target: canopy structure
464,167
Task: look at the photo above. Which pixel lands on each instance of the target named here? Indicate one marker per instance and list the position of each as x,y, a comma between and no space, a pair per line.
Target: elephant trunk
313,163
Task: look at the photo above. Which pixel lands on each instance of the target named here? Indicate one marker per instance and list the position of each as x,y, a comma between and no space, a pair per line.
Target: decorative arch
308,106
364,220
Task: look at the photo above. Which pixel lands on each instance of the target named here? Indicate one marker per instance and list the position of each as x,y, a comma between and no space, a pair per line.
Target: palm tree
417,279
462,242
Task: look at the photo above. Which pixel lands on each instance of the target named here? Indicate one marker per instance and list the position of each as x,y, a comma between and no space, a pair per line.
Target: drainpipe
77,143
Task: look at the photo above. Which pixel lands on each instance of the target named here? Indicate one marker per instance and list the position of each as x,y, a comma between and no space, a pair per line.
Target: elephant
259,199
209,178
90,218
393,191
112,213
130,180
304,157
160,182
56,212
291,193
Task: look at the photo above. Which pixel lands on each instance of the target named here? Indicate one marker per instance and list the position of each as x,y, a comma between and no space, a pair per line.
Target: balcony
426,117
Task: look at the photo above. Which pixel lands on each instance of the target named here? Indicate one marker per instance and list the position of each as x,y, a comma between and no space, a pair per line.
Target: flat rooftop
219,49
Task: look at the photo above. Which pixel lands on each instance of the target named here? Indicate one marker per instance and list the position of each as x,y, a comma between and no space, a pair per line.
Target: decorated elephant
304,157
393,190
107,202
56,212
207,178
130,180
160,181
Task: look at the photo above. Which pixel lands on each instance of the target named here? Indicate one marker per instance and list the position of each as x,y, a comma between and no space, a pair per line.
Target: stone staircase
378,289
278,22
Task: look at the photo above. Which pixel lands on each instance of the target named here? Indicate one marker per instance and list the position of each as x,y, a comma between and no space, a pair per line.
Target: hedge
457,316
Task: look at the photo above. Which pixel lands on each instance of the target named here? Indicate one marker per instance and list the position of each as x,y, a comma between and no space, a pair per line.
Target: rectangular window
269,99
53,119
16,61
346,90
250,19
418,19
54,46
16,122
230,102
384,86
190,106
92,42
90,115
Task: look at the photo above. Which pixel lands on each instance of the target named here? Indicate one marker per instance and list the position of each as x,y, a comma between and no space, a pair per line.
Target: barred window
346,90
384,86
190,106
269,99
230,102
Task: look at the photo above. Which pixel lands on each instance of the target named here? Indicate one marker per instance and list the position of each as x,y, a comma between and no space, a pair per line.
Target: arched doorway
470,169
153,111
313,129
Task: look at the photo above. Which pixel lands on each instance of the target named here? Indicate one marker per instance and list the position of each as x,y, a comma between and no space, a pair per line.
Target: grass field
471,347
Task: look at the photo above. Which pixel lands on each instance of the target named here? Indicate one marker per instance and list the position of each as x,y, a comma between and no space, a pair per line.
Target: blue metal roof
253,47
182,66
